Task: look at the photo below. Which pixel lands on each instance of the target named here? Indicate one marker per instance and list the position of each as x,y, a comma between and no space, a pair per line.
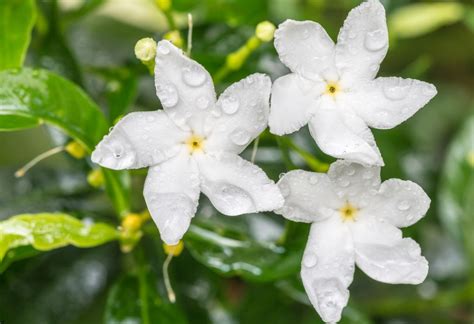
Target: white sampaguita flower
355,220
332,86
193,145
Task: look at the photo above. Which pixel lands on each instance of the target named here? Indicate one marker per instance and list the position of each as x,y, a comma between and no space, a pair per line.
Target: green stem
285,152
312,161
443,300
170,19
142,286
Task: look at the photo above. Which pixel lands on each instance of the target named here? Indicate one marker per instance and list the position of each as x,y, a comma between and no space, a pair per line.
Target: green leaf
47,97
421,18
456,203
17,18
236,254
50,231
134,299
31,97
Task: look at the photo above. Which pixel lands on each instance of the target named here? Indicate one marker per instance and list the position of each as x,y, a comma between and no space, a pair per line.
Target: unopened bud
132,222
75,149
265,31
145,49
95,178
174,37
164,5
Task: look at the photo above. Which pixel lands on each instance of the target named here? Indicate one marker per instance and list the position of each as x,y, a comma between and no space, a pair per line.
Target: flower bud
174,37
265,31
132,222
174,250
164,5
145,49
95,178
75,149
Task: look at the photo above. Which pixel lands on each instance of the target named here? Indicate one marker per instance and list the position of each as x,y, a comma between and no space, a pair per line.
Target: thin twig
254,149
190,35
21,172
166,277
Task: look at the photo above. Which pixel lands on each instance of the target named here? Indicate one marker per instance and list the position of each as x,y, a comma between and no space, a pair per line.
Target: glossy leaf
17,18
134,299
236,254
50,231
456,203
31,97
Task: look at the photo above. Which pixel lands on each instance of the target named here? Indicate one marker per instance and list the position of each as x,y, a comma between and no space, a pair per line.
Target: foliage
67,73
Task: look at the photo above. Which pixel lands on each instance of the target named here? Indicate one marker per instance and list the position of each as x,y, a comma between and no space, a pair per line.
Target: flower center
348,212
332,88
195,143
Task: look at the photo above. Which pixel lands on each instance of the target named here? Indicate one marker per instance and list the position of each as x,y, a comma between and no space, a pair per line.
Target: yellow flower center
332,88
348,212
195,143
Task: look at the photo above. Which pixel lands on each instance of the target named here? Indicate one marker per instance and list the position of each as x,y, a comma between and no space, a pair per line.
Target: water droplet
396,91
404,205
240,136
284,189
376,40
202,102
313,179
344,182
350,171
367,175
163,48
229,197
193,76
310,260
168,94
230,105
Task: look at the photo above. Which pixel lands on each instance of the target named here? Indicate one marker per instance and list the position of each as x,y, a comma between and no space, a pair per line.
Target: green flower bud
265,31
145,49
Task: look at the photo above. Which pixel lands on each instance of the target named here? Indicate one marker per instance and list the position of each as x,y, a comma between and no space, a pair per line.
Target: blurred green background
242,269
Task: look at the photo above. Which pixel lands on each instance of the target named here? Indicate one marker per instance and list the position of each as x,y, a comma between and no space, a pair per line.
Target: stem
170,19
21,172
254,149
190,35
166,277
143,288
312,161
285,152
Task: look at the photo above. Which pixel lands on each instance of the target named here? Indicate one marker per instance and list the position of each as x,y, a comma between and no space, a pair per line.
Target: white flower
355,220
332,86
193,145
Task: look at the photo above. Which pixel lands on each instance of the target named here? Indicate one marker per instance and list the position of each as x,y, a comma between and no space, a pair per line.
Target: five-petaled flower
332,86
355,220
193,145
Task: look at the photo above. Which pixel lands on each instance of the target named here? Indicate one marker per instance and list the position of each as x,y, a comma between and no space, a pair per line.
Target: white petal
384,255
236,186
401,203
344,136
138,140
243,114
355,182
387,102
185,88
327,268
362,42
308,196
171,193
304,47
294,100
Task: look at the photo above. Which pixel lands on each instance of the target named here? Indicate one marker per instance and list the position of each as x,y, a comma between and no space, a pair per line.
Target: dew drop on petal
163,48
404,205
202,102
230,105
397,91
310,260
240,136
313,179
375,40
168,95
193,76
